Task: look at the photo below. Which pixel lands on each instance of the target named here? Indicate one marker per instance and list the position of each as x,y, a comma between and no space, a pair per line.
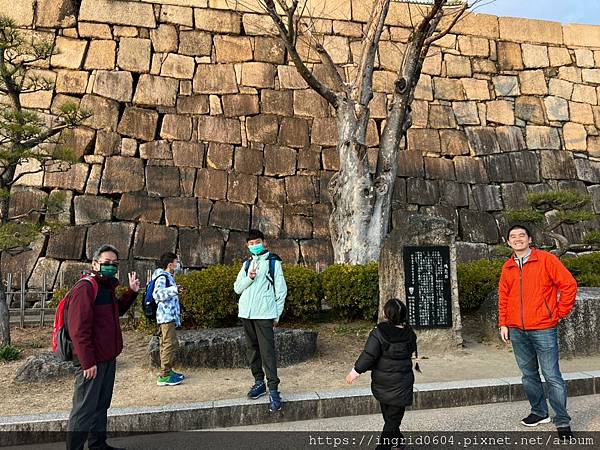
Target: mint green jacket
257,299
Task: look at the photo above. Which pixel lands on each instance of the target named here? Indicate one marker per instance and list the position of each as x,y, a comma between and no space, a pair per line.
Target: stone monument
418,265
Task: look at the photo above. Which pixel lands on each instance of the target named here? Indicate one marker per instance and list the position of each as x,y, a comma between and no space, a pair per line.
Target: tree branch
304,72
327,62
40,138
441,34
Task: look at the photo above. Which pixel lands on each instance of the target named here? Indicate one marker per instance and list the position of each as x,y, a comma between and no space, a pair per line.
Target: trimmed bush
304,292
476,279
352,291
208,299
9,353
585,269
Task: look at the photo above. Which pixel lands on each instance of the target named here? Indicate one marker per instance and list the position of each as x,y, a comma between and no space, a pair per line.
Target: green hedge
304,292
352,291
476,280
585,269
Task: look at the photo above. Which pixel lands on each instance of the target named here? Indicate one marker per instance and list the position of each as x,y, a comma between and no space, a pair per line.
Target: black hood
392,333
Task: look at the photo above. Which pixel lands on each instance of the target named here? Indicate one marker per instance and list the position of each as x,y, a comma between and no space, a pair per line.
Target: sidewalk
310,405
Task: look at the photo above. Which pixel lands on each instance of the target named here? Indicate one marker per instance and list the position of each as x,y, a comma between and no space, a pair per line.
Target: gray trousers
91,401
260,350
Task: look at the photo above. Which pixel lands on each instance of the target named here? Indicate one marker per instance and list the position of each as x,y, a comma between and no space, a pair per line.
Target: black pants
91,401
260,350
391,435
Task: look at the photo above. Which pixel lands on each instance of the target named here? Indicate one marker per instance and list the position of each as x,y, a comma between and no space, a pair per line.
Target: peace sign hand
134,281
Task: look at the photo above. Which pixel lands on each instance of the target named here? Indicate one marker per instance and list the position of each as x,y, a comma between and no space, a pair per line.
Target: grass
9,353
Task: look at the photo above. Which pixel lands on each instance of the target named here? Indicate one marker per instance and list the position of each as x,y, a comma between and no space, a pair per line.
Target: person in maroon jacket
94,329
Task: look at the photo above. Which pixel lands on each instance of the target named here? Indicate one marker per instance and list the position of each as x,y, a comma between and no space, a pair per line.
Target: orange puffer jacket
528,297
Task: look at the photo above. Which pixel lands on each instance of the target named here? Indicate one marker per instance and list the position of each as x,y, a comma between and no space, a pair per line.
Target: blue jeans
536,349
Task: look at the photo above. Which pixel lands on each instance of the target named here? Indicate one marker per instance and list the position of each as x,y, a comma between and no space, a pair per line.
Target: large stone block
509,56
410,164
476,89
268,219
20,12
176,127
588,170
556,108
226,347
67,243
152,240
153,91
316,253
113,180
525,166
233,49
219,156
188,154
483,140
211,184
164,39
134,54
530,109
498,168
535,56
271,191
506,86
156,150
43,274
116,85
478,227
310,104
237,105
92,209
514,195
27,202
195,43
448,89
289,78
123,12
269,49
584,94
297,223
69,53
501,112
577,35
529,30
533,82
226,22
193,104
139,123
139,207
277,102
557,165
177,15
575,136
439,169
162,181
242,188
280,160
71,82
510,139
258,75
248,161
101,55
441,116
219,129
486,197
470,170
466,113
178,66
454,194
201,248
181,212
424,140
301,189
232,216
542,138
79,140
94,30
67,178
106,112
262,128
422,192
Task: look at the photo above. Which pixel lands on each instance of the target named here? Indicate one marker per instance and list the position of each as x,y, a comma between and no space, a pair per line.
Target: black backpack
271,273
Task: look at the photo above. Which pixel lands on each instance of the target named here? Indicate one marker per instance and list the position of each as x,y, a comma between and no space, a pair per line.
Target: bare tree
26,140
361,201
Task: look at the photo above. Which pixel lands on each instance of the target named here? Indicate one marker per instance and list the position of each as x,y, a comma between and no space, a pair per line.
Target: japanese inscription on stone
427,283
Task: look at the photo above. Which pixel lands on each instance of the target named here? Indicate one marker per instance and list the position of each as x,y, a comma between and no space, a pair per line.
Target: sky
564,11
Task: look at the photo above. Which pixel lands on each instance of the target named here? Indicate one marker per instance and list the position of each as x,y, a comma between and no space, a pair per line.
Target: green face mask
109,270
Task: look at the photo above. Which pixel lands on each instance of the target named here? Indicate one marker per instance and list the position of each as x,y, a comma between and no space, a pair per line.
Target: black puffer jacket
388,354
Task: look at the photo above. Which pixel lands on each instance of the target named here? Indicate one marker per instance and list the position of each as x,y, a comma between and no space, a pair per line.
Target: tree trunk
4,317
351,190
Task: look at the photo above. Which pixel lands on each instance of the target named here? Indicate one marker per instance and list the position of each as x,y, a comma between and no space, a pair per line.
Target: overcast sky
565,11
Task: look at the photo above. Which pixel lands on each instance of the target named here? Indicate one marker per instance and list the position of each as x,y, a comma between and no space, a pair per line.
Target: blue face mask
256,249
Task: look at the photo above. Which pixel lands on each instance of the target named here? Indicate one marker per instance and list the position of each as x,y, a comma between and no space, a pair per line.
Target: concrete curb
311,405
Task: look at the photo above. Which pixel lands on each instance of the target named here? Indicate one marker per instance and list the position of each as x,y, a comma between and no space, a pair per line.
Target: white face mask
178,267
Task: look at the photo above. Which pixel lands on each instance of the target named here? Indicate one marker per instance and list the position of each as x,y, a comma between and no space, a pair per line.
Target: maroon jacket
93,324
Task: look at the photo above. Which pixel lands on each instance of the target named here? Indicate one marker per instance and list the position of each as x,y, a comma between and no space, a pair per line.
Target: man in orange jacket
529,310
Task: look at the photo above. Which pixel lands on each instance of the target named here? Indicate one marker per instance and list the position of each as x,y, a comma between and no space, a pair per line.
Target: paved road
474,423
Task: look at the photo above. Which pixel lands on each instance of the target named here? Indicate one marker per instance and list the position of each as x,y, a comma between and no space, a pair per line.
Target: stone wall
203,128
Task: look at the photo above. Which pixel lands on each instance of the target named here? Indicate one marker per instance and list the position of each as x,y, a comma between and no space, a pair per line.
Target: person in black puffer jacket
388,354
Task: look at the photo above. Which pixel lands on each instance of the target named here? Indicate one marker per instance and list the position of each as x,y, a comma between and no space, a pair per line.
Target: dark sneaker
533,420
275,401
169,380
564,433
258,390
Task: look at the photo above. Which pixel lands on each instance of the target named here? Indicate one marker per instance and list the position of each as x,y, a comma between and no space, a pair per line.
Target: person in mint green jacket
262,289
